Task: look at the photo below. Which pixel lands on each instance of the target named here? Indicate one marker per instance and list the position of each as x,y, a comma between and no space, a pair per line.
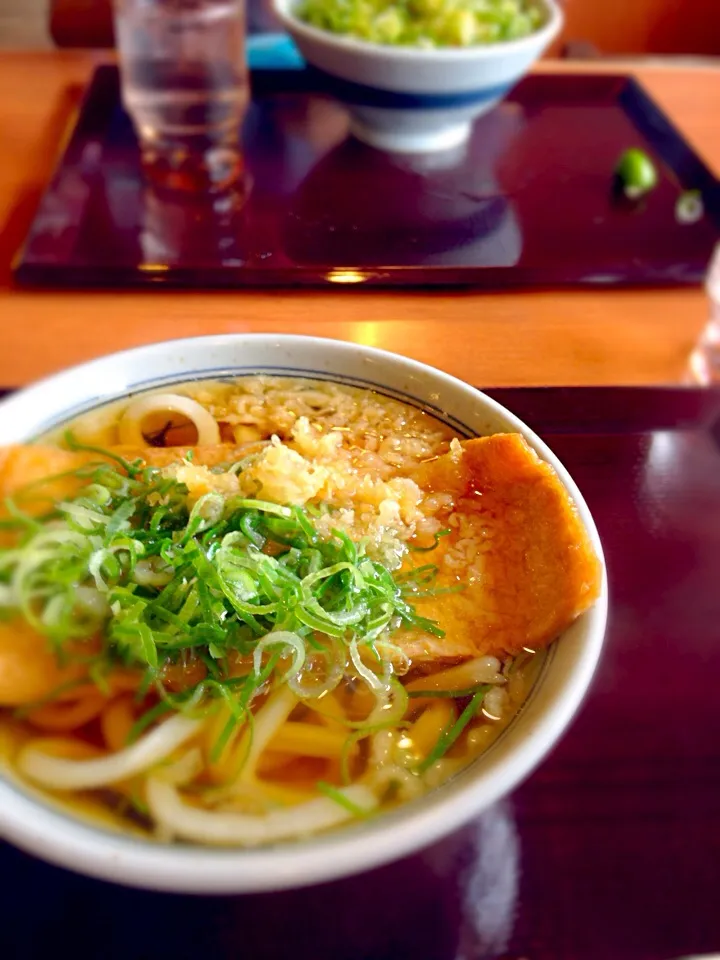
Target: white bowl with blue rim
35,823
411,99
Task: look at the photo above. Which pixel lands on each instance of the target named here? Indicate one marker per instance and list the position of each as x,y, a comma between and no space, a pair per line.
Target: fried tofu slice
37,474
29,668
517,545
203,456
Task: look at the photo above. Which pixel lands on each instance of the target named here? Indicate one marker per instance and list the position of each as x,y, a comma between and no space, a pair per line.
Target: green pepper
637,173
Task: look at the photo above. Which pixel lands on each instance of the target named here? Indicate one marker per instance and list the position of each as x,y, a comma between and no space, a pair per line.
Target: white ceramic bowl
409,99
32,821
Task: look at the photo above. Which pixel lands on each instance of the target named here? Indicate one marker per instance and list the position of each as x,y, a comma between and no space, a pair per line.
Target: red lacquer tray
611,851
528,201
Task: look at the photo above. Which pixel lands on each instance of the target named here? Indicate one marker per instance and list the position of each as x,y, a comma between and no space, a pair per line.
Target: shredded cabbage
425,23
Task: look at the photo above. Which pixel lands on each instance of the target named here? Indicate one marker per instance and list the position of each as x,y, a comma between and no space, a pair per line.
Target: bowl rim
442,55
35,824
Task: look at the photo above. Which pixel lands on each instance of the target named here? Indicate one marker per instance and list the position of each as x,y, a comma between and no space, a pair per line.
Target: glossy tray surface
610,851
528,201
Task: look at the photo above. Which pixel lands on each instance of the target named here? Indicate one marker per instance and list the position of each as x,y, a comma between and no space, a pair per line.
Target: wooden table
547,337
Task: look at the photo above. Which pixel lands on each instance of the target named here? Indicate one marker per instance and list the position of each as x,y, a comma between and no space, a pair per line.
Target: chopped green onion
147,719
451,733
131,469
445,694
283,638
436,541
339,797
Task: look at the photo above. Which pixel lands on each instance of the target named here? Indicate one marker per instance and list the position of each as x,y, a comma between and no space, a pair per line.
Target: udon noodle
245,612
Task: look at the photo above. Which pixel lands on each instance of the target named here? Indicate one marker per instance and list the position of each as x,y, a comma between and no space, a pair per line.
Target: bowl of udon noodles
276,610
